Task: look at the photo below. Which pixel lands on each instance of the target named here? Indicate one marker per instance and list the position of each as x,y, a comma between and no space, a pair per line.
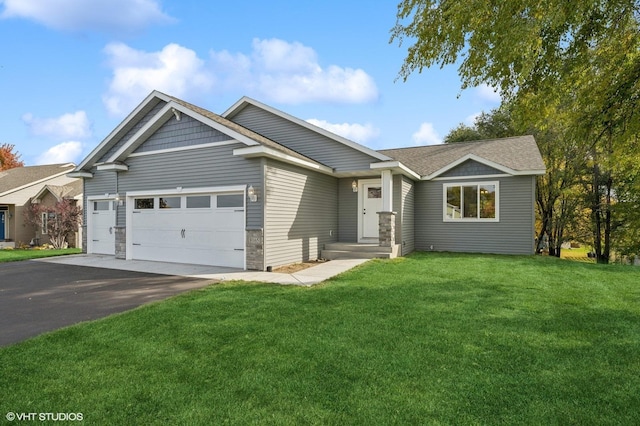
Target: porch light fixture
253,197
354,186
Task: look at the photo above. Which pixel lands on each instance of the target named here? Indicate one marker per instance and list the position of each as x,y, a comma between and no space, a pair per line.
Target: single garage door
102,219
204,229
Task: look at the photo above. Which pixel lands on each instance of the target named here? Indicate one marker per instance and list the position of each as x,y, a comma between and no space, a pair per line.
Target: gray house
255,188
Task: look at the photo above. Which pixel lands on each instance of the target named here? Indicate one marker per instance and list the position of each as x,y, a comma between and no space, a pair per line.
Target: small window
472,202
45,221
143,203
101,205
235,200
374,193
170,202
199,202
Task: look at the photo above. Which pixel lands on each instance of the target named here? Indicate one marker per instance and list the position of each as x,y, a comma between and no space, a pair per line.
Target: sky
72,70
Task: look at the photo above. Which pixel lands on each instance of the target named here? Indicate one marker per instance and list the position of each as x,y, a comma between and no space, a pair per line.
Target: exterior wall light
354,186
253,197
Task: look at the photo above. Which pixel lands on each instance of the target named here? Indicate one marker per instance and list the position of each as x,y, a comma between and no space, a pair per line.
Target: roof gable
22,177
515,156
313,150
153,113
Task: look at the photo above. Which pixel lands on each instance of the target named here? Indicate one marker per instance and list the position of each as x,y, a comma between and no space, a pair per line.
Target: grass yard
12,255
428,339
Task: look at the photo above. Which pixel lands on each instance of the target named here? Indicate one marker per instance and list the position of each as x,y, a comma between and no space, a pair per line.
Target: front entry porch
335,251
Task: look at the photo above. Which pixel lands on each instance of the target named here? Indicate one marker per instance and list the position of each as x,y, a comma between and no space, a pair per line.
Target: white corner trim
264,151
396,166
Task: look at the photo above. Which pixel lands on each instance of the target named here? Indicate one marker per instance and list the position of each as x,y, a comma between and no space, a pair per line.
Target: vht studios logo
52,417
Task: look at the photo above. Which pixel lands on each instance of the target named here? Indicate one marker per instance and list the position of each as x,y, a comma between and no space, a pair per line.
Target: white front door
370,204
101,233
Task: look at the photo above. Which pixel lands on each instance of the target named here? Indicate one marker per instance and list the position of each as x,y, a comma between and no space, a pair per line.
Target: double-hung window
470,202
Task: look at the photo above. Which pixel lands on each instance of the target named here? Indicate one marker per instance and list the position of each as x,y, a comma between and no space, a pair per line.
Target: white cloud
68,126
355,132
488,93
175,70
112,16
275,70
66,152
471,119
426,135
290,73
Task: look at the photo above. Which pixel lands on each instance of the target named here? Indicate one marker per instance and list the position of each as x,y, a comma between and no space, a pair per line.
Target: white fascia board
246,100
113,166
263,151
396,166
80,175
481,160
110,136
166,113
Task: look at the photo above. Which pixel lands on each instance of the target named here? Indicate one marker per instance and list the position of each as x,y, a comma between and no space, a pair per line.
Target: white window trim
445,186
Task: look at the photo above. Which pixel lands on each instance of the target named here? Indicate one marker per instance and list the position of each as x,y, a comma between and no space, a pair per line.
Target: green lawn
12,255
428,339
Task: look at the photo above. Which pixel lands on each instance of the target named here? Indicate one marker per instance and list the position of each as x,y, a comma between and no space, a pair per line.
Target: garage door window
170,202
199,202
100,205
235,200
143,203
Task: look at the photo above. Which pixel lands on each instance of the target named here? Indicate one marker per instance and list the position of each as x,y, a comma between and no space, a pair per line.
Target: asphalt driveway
36,297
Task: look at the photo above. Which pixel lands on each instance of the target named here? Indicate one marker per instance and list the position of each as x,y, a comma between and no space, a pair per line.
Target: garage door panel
209,236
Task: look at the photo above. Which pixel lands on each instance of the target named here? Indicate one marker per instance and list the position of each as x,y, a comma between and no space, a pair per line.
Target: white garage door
204,229
102,236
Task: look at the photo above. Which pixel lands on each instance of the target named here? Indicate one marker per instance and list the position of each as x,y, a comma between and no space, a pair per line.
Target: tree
498,123
579,56
8,158
57,221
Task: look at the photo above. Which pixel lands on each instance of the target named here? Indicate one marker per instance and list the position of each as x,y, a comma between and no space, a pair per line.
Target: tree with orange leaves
8,158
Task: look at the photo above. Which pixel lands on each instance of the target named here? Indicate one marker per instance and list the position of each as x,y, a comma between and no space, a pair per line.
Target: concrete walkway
305,277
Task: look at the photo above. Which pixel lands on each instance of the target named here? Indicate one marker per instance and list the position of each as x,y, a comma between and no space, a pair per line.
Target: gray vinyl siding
192,168
347,212
301,213
300,139
407,215
133,131
186,132
471,168
513,234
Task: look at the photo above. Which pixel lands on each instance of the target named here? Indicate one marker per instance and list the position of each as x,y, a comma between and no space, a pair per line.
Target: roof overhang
118,167
489,163
396,167
264,151
80,174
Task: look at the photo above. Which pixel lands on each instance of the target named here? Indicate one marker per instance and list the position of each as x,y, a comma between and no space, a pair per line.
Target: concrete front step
334,251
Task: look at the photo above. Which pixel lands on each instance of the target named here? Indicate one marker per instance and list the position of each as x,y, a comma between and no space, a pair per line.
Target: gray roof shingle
519,153
21,176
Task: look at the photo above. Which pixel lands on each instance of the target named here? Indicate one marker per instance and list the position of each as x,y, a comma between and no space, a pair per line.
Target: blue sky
71,70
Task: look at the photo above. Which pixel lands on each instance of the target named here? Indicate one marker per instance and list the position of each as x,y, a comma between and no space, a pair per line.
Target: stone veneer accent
84,239
387,228
255,249
121,242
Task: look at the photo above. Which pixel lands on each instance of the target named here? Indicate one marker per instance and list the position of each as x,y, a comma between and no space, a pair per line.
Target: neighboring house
257,188
49,196
21,184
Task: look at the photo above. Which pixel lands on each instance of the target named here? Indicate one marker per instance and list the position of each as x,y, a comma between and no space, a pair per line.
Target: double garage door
205,229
